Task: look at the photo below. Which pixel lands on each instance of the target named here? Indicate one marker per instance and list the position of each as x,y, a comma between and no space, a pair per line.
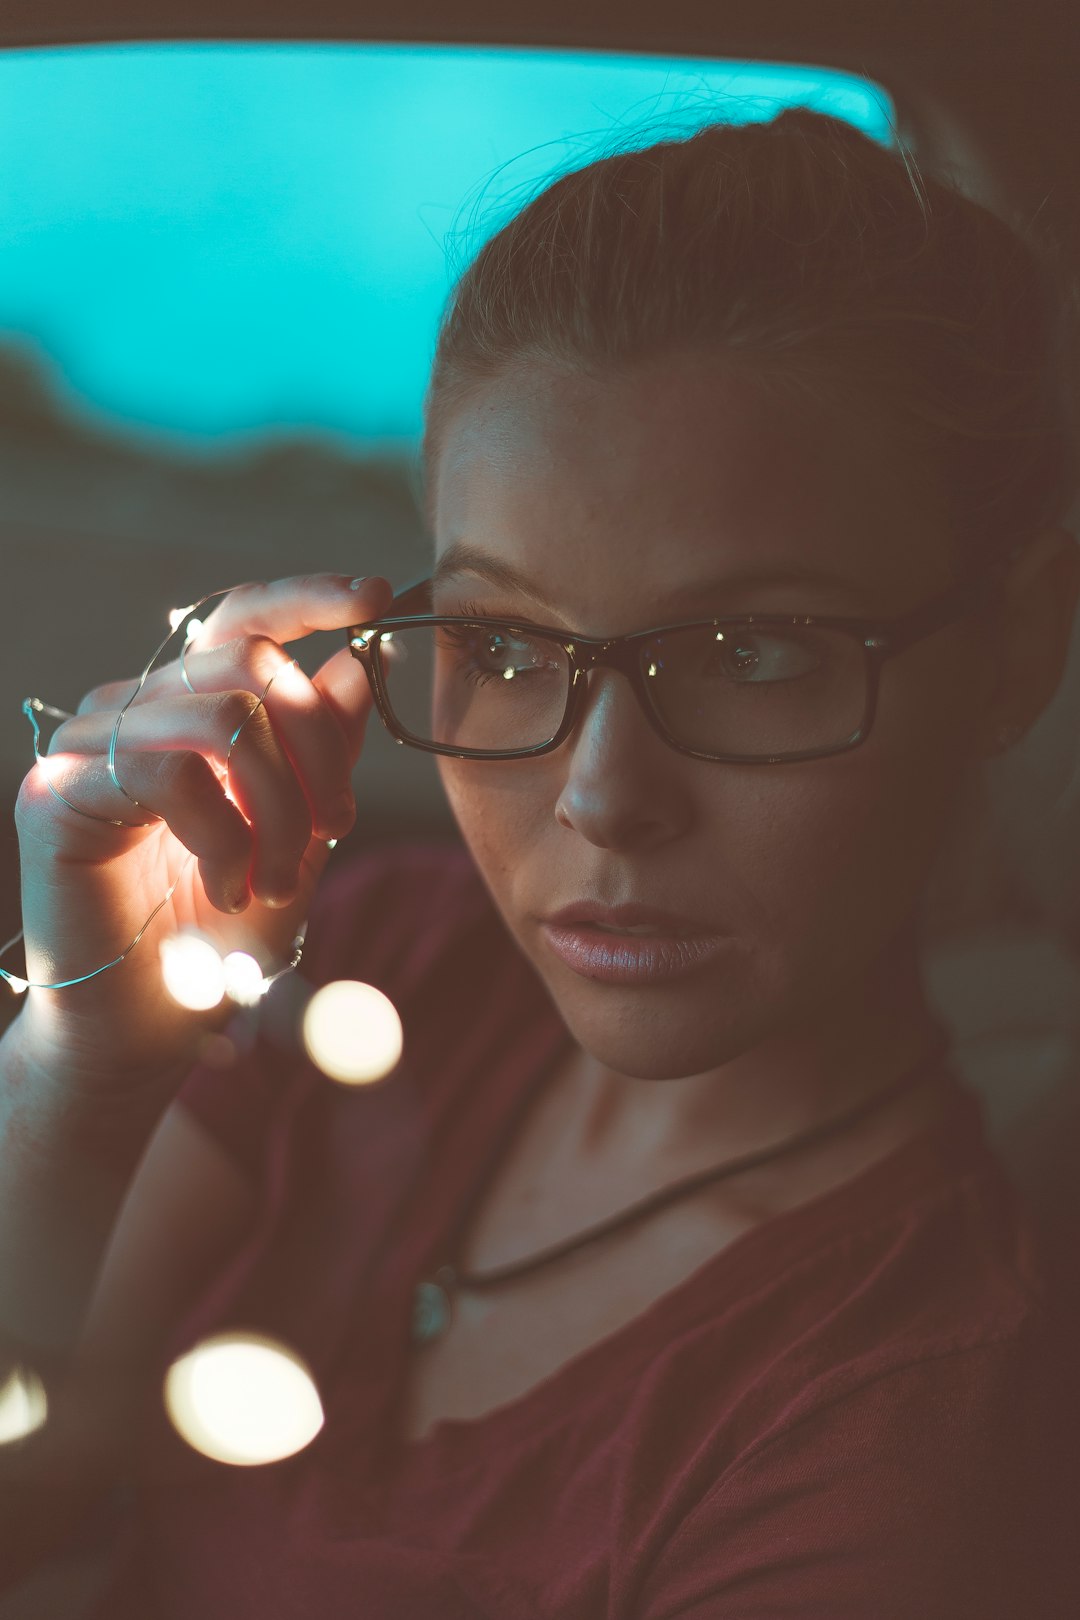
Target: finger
179,787
282,610
261,778
343,684
111,695
310,731
287,609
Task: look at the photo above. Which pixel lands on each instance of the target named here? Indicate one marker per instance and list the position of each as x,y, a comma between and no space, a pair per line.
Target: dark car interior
103,526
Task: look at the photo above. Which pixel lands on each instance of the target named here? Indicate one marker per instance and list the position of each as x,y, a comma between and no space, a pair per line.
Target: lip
660,923
630,958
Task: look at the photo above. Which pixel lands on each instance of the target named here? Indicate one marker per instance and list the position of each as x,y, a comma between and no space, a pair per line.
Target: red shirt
856,1411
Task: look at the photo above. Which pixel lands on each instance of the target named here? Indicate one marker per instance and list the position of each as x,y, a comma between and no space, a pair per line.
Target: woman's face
628,502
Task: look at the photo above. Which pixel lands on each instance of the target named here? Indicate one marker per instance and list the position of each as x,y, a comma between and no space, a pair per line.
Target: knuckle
259,648
248,595
182,771
61,739
307,584
245,592
235,707
96,698
29,799
252,650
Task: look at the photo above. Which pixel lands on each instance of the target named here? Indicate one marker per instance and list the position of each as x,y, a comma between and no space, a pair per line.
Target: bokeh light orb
193,971
243,1398
352,1032
23,1405
244,982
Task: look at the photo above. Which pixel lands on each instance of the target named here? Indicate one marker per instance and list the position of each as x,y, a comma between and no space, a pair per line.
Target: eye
765,657
485,654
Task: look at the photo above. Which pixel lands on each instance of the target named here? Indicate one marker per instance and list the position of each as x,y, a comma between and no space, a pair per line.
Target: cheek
837,853
499,809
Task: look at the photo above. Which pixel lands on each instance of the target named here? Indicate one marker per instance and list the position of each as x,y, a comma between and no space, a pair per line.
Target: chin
667,1033
663,1058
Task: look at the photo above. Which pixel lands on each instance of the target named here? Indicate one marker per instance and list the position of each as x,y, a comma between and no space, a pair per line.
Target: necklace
433,1297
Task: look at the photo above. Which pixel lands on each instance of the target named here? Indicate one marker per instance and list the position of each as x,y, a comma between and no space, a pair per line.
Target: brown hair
827,261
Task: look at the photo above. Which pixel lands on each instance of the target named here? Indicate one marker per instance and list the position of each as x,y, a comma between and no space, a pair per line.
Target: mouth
631,920
642,930
634,954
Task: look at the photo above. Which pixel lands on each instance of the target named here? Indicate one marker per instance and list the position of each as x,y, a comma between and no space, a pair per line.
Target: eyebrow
464,558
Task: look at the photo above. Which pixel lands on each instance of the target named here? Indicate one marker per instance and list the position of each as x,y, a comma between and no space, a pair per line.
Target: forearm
68,1153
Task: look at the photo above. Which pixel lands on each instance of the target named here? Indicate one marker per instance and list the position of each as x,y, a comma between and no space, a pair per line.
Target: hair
820,259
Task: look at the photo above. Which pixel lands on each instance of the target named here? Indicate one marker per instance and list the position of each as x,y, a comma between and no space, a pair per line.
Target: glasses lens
472,686
758,691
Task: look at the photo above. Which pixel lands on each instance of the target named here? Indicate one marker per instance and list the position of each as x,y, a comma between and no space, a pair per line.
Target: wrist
57,1087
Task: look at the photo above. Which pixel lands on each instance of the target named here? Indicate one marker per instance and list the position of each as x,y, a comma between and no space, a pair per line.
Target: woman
671,1273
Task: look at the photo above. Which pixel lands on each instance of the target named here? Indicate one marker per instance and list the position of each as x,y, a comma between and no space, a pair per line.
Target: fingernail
278,900
356,584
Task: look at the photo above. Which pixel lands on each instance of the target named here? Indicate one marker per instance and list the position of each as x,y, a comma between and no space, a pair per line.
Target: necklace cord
449,1273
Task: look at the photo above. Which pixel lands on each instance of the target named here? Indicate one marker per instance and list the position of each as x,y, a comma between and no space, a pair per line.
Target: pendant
432,1308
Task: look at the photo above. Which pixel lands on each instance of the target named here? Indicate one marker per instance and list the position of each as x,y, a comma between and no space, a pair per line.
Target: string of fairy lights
238,1397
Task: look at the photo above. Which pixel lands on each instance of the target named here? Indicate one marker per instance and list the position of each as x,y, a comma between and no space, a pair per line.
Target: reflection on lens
757,690
479,687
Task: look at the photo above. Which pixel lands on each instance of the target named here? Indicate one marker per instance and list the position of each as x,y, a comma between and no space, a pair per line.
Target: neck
787,1083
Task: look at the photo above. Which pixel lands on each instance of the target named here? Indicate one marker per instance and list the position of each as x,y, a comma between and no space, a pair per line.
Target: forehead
682,469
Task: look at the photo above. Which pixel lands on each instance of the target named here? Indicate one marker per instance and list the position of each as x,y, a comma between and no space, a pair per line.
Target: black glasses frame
881,639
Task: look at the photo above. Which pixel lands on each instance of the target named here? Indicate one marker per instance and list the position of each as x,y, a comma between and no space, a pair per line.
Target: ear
1032,634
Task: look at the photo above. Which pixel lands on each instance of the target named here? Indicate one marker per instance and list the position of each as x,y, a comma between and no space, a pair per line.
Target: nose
621,786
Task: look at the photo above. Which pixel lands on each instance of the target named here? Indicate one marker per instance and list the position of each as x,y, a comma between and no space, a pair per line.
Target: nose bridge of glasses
619,656
620,653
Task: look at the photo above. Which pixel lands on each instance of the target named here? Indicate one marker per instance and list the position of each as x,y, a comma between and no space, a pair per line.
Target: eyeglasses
758,689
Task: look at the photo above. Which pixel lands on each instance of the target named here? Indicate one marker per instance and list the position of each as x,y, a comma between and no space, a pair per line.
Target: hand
88,887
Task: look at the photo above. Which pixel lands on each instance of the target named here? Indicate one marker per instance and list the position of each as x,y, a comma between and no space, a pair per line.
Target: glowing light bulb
19,986
352,1032
53,766
244,981
195,628
244,1399
178,615
23,1406
289,677
193,971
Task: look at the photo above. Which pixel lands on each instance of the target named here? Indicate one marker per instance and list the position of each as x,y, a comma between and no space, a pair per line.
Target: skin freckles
620,497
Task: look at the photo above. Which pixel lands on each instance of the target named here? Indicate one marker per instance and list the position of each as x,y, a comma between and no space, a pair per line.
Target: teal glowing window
212,240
